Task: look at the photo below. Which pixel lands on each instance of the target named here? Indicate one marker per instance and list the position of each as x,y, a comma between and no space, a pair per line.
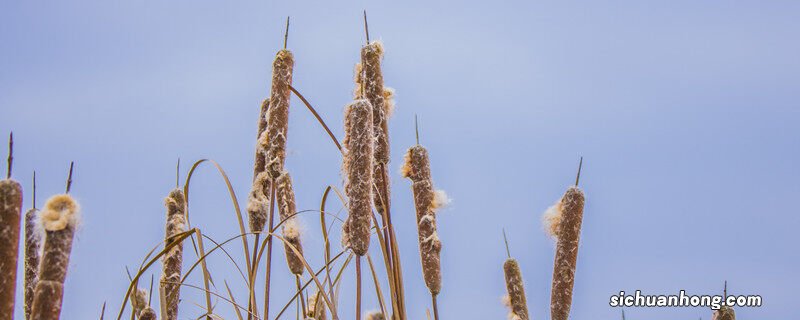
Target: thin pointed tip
366,26
286,33
578,177
416,127
505,238
10,154
69,177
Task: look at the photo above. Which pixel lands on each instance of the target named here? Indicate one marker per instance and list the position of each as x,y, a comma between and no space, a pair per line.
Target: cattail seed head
258,202
568,235
724,313
139,300
147,314
260,163
291,230
369,80
173,259
375,315
10,210
278,113
59,218
358,169
417,168
33,240
316,307
516,290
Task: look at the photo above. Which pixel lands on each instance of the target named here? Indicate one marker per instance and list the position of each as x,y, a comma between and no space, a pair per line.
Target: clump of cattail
10,209
291,230
274,142
258,202
417,168
316,307
515,300
375,315
173,259
32,244
357,167
260,163
147,314
566,216
59,219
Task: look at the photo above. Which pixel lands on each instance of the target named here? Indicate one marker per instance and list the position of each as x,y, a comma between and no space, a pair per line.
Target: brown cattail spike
274,142
724,312
10,209
374,315
516,290
59,219
32,245
358,169
568,236
291,229
417,168
173,259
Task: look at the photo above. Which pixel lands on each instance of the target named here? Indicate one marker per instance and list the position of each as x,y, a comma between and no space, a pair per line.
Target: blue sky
685,112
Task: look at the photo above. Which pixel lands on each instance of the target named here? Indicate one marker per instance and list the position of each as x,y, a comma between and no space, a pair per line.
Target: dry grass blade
206,274
378,291
306,284
316,115
230,295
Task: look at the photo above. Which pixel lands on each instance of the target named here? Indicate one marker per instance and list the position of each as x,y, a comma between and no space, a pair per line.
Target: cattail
316,307
417,168
274,142
32,245
258,202
173,259
516,290
724,313
375,315
566,218
139,300
147,314
258,198
291,229
10,207
357,166
369,80
59,218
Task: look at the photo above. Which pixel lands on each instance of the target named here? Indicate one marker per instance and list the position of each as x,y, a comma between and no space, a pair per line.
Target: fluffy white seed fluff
59,212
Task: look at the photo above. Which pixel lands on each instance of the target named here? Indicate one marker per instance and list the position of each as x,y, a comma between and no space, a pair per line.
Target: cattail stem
358,287
59,219
435,307
270,238
173,259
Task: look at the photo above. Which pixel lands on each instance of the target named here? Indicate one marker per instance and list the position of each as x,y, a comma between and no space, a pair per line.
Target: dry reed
417,168
357,166
59,218
274,142
291,229
10,207
569,215
516,290
173,259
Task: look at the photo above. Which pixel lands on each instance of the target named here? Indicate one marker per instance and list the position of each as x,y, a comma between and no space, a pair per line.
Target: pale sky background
686,113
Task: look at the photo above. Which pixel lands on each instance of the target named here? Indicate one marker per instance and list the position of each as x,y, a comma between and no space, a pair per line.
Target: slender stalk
435,307
358,287
268,274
